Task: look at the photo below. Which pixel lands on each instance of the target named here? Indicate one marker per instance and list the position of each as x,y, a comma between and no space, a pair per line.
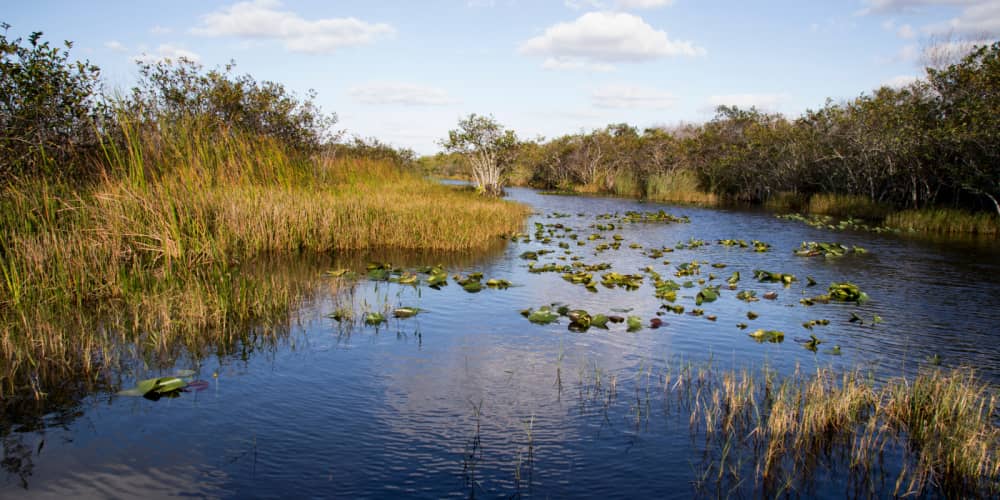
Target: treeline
933,143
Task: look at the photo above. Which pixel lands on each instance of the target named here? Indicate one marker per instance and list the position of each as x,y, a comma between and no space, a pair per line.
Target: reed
679,187
939,429
945,221
161,248
843,205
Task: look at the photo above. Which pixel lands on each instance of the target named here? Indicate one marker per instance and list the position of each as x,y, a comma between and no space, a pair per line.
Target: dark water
470,399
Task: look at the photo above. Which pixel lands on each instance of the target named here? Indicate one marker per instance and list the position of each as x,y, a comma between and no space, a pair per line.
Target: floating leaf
405,312
599,321
543,316
634,323
752,315
707,294
374,318
773,336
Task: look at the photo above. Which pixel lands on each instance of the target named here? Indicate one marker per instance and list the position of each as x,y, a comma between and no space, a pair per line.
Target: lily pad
405,312
634,323
707,294
374,318
543,316
773,336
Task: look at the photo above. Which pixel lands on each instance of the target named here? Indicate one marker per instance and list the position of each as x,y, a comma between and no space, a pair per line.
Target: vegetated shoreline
925,221
158,254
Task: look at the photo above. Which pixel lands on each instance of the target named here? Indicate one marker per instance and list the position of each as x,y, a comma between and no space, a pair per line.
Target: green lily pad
405,312
374,318
634,323
773,336
707,294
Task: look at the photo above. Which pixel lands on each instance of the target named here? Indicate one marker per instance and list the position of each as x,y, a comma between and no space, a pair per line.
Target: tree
47,108
489,148
969,130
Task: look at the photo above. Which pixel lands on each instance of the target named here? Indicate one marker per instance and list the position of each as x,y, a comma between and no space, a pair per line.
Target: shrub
48,107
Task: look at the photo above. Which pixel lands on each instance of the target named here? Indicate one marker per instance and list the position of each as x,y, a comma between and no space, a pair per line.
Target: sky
406,71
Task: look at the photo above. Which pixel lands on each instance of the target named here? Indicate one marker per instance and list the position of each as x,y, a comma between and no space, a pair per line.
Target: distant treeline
935,142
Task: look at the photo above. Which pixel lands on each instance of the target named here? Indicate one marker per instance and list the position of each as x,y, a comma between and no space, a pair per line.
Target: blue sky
406,71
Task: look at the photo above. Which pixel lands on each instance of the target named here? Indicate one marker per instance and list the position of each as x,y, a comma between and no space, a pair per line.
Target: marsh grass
945,221
679,187
842,205
936,432
177,244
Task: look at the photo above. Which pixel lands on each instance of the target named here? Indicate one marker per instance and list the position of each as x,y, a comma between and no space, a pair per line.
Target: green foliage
48,106
181,89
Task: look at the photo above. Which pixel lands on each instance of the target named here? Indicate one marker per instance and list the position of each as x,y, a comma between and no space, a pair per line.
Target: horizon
406,73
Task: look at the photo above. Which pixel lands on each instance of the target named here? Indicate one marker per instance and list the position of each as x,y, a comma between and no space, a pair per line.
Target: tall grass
945,221
844,205
679,187
935,432
159,250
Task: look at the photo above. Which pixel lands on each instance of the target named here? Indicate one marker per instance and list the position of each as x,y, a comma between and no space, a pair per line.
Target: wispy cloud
630,96
570,64
606,38
160,30
263,19
406,94
167,51
116,46
900,81
643,4
975,17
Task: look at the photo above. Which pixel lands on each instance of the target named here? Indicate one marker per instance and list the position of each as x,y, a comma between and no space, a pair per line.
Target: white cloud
261,19
908,53
906,31
606,37
975,17
166,51
116,46
900,81
764,102
160,30
881,6
584,4
627,96
571,64
406,94
643,4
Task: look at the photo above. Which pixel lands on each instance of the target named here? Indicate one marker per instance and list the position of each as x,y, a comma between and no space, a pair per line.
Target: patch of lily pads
815,249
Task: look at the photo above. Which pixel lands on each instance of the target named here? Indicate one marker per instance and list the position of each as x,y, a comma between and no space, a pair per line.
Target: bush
176,90
48,108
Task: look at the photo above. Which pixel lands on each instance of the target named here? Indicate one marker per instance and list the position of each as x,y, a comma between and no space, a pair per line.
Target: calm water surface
470,399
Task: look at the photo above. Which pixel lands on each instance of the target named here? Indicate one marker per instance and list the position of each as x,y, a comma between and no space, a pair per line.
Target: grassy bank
160,250
682,188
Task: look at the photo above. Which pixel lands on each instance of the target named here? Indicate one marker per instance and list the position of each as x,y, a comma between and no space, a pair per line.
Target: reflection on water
469,398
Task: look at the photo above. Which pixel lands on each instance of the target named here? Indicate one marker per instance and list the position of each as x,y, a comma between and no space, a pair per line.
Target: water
470,399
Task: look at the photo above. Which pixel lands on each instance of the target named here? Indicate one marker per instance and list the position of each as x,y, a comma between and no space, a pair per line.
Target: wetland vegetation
204,239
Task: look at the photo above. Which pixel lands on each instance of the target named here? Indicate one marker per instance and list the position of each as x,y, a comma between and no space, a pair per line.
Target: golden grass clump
844,205
679,187
945,221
